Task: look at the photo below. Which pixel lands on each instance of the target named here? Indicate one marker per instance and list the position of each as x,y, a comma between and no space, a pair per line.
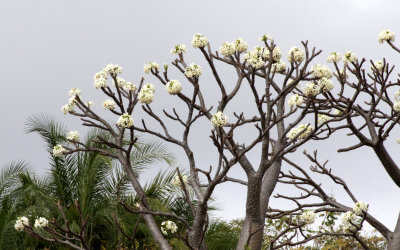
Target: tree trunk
394,239
196,237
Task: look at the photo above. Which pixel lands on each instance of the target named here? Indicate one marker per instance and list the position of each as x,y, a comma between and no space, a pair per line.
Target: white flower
378,65
347,219
113,69
265,38
321,71
301,132
279,66
386,35
89,104
307,217
295,55
168,226
254,58
146,93
193,70
178,49
59,150
67,108
100,79
125,121
323,118
20,223
360,207
151,66
130,86
73,136
325,85
311,89
240,45
227,49
295,100
177,182
334,57
41,222
397,95
349,56
199,41
109,104
120,82
218,119
276,54
74,92
337,112
173,87
396,106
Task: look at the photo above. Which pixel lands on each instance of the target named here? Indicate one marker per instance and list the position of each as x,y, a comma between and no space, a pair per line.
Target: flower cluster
199,41
109,104
279,66
276,54
74,92
113,69
325,85
295,100
321,71
386,36
151,66
20,223
295,55
255,58
125,121
146,94
396,106
67,108
120,82
240,45
265,38
307,217
179,49
360,207
177,182
348,219
193,70
130,86
219,119
227,49
311,89
100,80
41,222
349,56
300,132
378,65
168,226
173,87
334,57
323,118
59,150
73,136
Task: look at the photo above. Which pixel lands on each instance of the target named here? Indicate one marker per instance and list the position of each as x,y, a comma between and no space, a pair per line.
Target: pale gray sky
47,47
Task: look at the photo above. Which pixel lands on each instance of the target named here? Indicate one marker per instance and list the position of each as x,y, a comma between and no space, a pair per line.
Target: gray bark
394,238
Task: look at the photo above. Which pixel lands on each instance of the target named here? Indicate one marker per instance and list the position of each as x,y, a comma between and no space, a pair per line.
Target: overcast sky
47,47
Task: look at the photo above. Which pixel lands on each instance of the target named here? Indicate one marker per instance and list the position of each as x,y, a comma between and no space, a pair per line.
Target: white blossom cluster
173,87
89,104
323,118
193,70
120,82
177,182
59,150
146,93
349,56
265,38
199,41
148,67
20,223
295,55
125,121
74,92
295,100
321,71
219,119
240,45
301,132
227,49
109,104
347,219
307,217
386,36
168,226
378,65
334,57
73,136
396,105
276,54
41,222
311,89
279,66
360,207
113,69
255,58
67,108
325,85
130,86
100,80
179,49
